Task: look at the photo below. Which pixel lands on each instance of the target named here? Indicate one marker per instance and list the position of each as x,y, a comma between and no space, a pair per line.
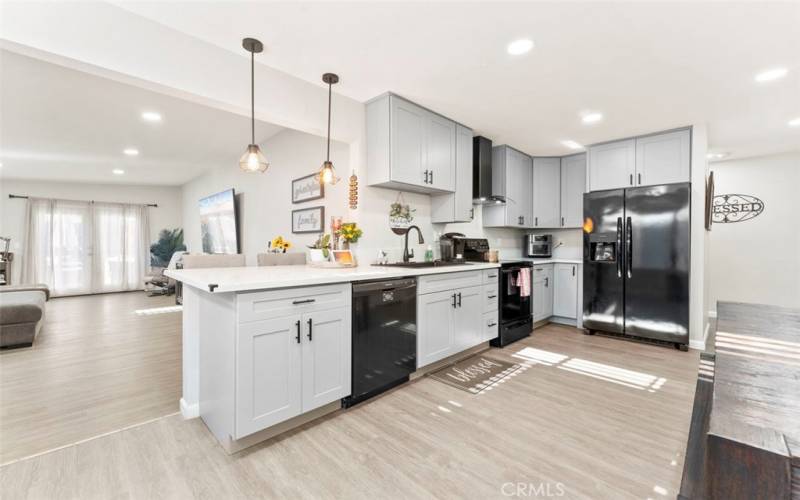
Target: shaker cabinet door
546,192
663,158
326,357
409,154
565,294
268,373
440,152
435,331
573,185
612,165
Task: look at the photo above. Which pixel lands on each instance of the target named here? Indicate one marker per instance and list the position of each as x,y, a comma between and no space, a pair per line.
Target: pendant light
253,159
326,174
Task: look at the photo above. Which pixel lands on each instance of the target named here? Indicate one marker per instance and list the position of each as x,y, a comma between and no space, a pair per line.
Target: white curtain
80,247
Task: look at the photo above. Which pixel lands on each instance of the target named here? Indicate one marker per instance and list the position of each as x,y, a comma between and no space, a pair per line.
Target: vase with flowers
350,233
278,245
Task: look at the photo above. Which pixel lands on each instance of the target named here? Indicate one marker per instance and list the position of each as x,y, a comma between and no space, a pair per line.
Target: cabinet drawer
490,297
542,271
255,306
448,281
490,276
490,325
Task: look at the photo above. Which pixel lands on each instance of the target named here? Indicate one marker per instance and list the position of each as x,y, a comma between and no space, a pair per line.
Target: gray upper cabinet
546,192
457,207
573,185
650,160
612,165
512,177
663,158
409,147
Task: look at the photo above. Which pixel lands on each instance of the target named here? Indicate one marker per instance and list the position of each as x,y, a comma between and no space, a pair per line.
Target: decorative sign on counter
735,208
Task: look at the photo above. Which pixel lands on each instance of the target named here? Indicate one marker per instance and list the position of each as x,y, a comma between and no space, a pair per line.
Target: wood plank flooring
96,366
593,417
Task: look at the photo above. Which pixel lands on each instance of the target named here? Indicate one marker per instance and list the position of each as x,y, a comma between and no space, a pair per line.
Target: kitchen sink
436,263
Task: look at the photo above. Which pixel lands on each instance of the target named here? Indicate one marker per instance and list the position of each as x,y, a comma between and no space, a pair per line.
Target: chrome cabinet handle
305,301
629,243
619,247
310,326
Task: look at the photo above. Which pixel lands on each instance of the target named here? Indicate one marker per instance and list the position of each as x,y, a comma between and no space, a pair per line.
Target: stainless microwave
539,245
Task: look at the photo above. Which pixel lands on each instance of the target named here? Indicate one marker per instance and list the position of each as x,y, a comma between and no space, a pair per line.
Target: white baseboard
712,314
700,345
189,410
562,321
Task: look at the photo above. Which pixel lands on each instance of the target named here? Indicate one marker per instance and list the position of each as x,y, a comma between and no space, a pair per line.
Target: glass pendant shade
253,160
327,174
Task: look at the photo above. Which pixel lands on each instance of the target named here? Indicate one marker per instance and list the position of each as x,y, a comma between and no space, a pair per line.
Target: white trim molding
189,410
712,314
700,345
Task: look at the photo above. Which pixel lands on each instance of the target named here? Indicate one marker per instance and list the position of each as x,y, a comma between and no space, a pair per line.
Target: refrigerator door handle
629,245
619,247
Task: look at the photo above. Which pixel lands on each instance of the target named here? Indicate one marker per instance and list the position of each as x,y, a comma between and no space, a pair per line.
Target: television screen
218,223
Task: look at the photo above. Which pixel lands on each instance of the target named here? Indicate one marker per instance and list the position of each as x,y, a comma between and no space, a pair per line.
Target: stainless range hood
482,173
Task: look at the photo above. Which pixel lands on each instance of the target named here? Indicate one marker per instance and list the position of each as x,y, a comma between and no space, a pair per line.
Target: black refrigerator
636,248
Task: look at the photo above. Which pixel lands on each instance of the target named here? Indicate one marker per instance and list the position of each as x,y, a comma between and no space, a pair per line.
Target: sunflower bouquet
278,245
350,233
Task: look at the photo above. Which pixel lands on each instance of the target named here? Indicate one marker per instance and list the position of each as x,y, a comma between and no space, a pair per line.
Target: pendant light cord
252,98
328,156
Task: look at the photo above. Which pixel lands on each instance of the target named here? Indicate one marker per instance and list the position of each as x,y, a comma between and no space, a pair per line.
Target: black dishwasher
384,336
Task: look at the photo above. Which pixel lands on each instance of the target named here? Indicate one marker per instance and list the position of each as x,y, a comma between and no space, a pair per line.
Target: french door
80,247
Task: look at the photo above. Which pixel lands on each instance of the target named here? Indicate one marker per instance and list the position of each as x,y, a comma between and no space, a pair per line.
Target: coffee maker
452,247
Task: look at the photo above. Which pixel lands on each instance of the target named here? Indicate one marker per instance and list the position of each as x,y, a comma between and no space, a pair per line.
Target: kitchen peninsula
266,349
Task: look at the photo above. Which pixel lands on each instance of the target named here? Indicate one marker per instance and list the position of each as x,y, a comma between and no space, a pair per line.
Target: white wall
264,200
758,260
12,222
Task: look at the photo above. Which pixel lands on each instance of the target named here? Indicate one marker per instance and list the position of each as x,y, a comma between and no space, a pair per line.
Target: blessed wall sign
728,208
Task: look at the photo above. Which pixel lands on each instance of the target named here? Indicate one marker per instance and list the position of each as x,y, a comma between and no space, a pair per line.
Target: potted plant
320,250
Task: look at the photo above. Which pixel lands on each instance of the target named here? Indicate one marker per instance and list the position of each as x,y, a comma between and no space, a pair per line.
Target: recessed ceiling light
151,116
592,117
117,171
716,156
131,151
572,144
518,47
771,74
795,122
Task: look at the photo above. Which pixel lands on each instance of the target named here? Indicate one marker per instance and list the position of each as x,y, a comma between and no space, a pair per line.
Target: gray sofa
22,310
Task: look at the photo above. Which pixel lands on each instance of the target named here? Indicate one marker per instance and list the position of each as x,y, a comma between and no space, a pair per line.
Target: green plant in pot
320,250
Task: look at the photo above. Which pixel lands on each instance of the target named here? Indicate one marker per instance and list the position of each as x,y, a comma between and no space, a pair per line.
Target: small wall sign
308,220
728,208
307,188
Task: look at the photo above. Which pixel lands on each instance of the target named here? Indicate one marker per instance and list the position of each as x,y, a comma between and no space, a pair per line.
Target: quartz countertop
241,279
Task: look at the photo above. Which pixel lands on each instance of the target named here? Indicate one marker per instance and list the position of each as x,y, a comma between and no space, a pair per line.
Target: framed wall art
307,188
308,220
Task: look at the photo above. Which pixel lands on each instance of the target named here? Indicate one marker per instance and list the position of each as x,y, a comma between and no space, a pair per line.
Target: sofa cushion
22,306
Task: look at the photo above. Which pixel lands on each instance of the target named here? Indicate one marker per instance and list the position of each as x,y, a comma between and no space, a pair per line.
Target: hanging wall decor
728,208
400,215
353,191
307,188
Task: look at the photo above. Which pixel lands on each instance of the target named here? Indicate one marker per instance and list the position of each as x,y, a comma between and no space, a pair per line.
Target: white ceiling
62,124
646,66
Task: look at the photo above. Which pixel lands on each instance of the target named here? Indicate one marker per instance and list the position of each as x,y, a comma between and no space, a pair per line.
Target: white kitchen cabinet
409,147
612,165
542,292
467,318
457,206
663,158
435,327
268,373
565,291
573,185
490,326
290,365
512,177
453,313
546,192
326,357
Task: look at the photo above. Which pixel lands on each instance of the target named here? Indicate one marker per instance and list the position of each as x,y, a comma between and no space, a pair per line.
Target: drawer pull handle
459,299
310,325
492,296
304,301
297,337
492,324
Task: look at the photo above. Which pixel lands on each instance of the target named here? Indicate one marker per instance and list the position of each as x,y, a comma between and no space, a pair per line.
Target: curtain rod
90,201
